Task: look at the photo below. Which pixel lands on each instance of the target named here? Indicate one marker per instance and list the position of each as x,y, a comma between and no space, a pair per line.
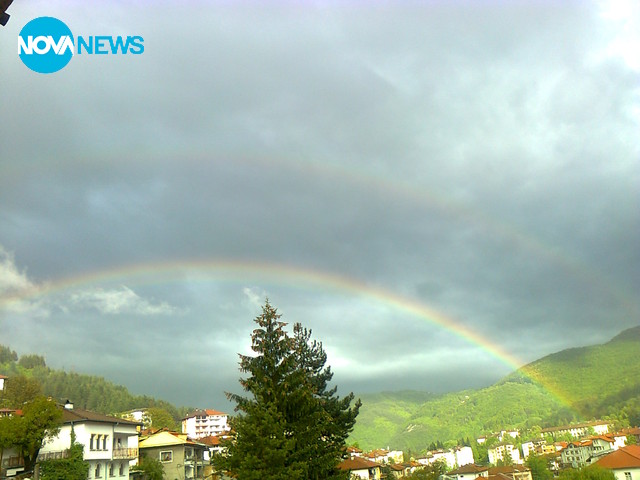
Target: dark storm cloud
480,159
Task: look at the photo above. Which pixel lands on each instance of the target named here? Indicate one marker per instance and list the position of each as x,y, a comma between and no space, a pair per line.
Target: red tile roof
204,413
77,415
625,457
508,469
469,468
212,440
214,412
356,463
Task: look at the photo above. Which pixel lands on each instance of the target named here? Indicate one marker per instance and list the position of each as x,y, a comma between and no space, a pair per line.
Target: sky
441,191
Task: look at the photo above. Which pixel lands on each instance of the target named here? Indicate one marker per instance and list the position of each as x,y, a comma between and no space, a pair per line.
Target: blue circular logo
45,45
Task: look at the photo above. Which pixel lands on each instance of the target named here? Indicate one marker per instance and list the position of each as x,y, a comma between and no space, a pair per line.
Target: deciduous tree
539,467
151,467
20,390
161,418
587,473
41,419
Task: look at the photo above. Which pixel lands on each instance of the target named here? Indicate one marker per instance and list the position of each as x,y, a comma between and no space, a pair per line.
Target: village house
510,472
139,415
499,453
585,452
354,452
624,462
468,472
110,443
361,468
502,436
181,456
455,457
633,432
397,470
513,472
213,446
205,423
579,430
12,463
384,456
538,447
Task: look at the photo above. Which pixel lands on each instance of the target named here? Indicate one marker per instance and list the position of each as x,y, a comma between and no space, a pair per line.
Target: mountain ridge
580,379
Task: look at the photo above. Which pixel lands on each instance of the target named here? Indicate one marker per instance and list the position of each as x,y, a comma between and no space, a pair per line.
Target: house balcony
125,453
12,462
55,455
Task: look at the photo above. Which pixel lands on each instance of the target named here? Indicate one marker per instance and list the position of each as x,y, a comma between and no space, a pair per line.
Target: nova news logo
46,45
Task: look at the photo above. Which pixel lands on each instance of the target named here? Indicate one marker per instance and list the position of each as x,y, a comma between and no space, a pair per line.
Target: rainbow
278,274
379,184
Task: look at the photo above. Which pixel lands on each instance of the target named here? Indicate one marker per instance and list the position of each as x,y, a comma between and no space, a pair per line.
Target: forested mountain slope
86,391
589,382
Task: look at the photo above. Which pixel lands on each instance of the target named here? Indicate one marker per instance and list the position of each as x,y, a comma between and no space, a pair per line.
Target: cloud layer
391,175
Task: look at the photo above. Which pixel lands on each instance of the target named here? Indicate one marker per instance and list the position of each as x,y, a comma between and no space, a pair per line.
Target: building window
91,441
627,475
104,441
166,457
121,472
111,474
98,471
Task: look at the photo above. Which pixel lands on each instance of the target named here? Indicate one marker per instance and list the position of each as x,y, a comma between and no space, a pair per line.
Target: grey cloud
481,160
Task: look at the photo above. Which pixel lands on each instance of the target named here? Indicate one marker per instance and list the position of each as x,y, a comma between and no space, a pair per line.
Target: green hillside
86,391
597,381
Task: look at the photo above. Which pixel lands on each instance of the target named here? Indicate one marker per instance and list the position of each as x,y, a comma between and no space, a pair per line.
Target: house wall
371,474
12,462
178,466
527,449
114,464
204,426
620,474
464,456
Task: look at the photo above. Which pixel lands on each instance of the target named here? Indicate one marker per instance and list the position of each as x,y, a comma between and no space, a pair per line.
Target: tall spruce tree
290,425
326,420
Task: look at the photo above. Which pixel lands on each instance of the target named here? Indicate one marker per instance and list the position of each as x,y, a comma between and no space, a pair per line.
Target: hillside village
115,446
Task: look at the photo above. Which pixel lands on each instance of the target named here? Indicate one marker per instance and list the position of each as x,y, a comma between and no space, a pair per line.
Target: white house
456,457
139,415
527,449
384,456
110,443
2,379
468,472
205,423
508,433
464,456
502,451
579,430
624,462
438,456
579,454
